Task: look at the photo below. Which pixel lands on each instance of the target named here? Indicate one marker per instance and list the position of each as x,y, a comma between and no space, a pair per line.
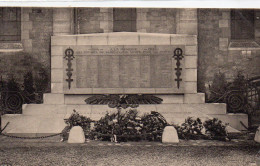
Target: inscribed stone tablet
140,66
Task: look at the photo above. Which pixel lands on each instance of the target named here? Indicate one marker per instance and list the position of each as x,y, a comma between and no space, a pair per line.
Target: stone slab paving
5,141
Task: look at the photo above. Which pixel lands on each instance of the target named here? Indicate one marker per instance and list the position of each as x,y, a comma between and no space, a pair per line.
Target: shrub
41,81
215,129
13,86
124,125
239,82
29,90
152,126
129,126
78,120
190,129
232,93
218,88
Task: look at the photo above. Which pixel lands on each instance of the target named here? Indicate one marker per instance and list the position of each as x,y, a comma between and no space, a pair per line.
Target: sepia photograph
171,83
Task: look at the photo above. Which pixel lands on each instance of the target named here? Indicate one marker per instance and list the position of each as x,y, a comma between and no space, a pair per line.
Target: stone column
224,26
187,23
26,27
63,24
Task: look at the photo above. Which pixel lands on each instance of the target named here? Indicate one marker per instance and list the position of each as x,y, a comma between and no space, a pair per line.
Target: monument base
49,118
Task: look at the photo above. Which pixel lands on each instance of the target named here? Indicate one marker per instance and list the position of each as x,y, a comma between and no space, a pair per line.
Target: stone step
53,98
62,110
196,98
42,124
43,109
56,98
206,108
234,120
49,118
32,124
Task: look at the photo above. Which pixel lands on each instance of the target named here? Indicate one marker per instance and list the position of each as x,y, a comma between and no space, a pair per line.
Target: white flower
137,118
114,120
92,125
203,131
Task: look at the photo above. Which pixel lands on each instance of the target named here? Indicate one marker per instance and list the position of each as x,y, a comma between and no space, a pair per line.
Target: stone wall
156,20
37,29
171,21
34,53
94,20
211,25
215,55
63,21
152,20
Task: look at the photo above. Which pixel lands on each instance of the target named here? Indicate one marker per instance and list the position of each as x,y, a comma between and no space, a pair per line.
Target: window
124,20
10,24
242,25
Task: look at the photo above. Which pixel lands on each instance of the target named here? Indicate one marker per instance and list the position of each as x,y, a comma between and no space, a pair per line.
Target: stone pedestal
76,135
170,135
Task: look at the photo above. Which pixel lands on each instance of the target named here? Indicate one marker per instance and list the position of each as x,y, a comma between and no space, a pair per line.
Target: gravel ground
104,153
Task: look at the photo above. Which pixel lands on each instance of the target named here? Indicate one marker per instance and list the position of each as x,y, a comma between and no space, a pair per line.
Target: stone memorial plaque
124,67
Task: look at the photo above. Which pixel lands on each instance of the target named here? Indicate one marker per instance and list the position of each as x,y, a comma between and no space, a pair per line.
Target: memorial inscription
123,50
131,66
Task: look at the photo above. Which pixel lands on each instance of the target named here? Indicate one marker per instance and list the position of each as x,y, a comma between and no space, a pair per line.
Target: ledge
243,45
11,47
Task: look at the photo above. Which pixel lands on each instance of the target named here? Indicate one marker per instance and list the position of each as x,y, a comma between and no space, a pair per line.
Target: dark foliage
153,123
76,119
41,81
215,129
239,83
13,86
218,88
128,126
240,95
125,125
190,129
29,90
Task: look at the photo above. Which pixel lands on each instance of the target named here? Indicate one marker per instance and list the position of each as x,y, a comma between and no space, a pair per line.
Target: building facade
228,40
214,40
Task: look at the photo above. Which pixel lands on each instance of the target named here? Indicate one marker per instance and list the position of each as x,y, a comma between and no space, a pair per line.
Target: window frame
133,19
18,22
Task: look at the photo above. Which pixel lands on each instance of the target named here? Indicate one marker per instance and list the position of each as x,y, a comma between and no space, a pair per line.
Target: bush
29,90
129,126
218,88
120,124
232,93
78,120
152,126
13,86
215,129
190,129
